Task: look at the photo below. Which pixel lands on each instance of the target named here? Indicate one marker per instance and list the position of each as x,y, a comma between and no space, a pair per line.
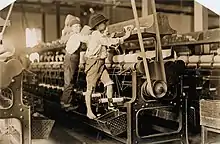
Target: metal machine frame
138,103
11,77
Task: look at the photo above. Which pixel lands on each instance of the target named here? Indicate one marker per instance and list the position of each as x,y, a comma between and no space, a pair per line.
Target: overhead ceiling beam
66,8
118,3
43,4
38,11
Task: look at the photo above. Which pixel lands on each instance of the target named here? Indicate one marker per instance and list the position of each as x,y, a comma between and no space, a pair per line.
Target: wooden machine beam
58,19
201,23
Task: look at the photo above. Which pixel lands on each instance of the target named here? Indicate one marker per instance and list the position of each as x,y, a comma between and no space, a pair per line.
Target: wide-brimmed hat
96,19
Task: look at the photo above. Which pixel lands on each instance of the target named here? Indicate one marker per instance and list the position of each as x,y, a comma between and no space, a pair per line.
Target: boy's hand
128,30
112,35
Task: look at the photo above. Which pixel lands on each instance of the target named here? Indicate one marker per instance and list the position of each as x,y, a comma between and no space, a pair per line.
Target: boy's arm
115,41
84,38
73,43
106,41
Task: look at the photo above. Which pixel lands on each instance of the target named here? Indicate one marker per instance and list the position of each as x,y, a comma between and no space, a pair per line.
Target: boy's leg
92,76
109,96
88,104
66,97
69,69
105,78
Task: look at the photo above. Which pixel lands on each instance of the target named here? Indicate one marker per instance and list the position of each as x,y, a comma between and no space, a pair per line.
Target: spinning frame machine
152,94
151,105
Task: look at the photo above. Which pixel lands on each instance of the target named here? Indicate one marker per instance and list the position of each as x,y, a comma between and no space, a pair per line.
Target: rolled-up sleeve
111,41
72,44
84,38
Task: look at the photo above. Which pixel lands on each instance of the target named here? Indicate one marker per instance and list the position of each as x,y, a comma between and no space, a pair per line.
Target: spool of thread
218,51
184,58
94,94
82,58
131,58
118,58
217,59
131,66
194,59
114,100
206,58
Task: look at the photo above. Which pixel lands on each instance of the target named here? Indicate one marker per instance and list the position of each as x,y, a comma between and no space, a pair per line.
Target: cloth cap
71,20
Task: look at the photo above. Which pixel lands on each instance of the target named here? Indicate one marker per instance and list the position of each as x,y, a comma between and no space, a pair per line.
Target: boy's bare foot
91,115
110,106
68,107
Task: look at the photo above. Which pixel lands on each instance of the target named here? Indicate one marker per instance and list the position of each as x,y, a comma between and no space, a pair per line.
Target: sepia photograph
109,72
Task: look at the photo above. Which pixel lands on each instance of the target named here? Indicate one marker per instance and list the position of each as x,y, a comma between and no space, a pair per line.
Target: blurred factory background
47,16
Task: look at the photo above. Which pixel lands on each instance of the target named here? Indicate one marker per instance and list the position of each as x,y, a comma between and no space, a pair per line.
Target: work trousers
71,63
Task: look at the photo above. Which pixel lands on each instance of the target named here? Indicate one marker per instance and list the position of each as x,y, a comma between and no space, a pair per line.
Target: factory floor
57,136
61,135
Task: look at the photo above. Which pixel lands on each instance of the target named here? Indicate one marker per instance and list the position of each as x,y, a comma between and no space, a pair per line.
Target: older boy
96,54
71,61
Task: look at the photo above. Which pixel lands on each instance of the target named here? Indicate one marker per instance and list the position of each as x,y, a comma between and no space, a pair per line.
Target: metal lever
158,87
7,18
159,56
142,47
6,21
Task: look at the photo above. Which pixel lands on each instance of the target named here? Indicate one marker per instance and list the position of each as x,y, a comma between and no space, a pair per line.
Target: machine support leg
203,135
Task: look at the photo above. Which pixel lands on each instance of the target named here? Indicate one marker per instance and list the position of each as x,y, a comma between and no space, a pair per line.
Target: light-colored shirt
72,38
96,47
74,42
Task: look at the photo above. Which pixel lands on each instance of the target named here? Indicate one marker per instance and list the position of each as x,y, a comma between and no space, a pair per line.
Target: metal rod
159,55
6,21
9,13
142,46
